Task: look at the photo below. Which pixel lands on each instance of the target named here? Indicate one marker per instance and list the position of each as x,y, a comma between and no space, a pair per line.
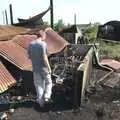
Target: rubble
71,74
11,110
3,116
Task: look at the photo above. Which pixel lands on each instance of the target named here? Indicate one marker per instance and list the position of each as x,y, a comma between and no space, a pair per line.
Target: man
37,52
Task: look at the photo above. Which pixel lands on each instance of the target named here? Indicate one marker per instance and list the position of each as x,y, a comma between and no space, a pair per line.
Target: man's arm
46,57
28,52
47,62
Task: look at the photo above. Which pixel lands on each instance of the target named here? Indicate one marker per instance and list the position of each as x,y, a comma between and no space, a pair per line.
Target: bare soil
102,103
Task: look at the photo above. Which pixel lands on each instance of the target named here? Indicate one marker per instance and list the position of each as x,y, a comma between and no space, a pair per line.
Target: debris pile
64,66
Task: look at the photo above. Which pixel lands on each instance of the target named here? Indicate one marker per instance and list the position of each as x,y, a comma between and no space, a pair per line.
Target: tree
59,25
91,31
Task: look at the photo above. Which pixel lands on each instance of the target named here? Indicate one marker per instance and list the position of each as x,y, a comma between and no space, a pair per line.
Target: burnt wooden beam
51,13
11,14
3,17
86,67
74,19
6,17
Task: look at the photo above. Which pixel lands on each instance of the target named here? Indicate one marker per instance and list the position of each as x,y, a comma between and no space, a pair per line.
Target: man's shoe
41,103
46,100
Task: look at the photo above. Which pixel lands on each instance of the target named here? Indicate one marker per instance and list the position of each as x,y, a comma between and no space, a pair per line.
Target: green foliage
46,23
91,31
110,50
59,25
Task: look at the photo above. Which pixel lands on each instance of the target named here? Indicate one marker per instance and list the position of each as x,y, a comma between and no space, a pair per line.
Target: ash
64,67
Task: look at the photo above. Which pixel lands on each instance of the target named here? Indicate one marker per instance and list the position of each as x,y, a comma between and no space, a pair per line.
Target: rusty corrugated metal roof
15,50
54,41
111,63
24,40
6,79
15,54
8,32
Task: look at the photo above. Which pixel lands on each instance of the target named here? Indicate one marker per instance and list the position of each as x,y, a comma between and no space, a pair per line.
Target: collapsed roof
15,52
33,21
7,32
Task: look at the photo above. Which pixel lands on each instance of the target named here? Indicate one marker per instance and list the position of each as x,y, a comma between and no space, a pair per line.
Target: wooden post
51,13
11,14
74,19
3,17
6,17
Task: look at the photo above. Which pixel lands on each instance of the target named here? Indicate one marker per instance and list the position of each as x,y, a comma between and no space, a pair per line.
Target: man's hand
47,63
50,71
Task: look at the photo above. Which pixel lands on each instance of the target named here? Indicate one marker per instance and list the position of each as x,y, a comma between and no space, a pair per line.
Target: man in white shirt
37,52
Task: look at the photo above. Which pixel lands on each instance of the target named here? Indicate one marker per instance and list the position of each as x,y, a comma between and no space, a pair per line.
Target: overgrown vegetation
110,50
91,32
59,25
107,50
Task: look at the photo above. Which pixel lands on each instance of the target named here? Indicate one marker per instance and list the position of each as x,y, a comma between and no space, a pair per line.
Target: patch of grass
110,50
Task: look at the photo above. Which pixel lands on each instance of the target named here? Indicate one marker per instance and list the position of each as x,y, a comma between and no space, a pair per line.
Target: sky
86,10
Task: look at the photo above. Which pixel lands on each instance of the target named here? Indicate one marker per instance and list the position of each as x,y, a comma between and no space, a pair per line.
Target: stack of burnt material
64,67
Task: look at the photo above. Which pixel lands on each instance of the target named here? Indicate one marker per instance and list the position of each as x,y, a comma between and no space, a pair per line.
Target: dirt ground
102,103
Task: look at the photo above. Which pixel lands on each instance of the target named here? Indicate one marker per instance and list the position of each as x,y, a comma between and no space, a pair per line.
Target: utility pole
11,14
51,13
6,17
3,17
74,19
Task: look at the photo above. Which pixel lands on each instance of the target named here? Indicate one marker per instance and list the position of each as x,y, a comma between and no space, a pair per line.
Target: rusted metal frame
86,67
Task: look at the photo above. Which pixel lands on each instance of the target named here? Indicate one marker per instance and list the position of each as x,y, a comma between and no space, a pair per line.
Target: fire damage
83,87
64,66
64,62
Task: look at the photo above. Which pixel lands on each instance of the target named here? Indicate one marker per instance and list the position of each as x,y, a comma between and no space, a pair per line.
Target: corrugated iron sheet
7,32
6,79
24,40
54,41
111,63
15,50
15,54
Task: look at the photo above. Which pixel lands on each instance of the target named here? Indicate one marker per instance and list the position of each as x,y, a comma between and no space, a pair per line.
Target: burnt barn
32,22
71,70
